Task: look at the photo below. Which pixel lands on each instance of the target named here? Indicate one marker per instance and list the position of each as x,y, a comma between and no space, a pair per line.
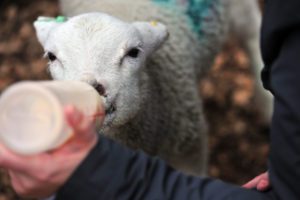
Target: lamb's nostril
100,89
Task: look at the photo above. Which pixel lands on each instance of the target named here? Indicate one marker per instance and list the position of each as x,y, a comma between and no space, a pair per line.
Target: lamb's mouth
110,110
110,114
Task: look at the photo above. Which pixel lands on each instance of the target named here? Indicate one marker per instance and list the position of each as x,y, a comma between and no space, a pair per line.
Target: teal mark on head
61,19
196,10
58,19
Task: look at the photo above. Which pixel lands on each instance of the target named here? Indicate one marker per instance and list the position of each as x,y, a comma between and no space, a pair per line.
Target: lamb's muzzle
102,92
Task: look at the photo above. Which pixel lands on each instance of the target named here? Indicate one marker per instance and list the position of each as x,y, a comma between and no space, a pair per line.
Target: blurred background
238,135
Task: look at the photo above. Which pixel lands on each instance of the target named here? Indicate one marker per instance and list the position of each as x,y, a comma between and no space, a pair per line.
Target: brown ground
238,138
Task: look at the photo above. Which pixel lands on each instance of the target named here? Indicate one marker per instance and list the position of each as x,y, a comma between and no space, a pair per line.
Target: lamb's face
105,52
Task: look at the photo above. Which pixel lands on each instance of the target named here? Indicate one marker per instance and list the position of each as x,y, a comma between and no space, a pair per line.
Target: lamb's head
104,51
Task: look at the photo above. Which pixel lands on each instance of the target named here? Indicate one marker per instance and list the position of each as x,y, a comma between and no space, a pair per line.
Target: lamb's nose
100,89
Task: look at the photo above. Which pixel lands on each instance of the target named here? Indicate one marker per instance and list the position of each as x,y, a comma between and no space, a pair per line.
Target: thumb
83,127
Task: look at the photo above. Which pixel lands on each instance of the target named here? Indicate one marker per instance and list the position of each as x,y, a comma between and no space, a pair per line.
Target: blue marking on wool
196,10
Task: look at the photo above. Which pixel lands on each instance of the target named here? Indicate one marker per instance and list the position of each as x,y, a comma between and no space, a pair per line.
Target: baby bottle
32,116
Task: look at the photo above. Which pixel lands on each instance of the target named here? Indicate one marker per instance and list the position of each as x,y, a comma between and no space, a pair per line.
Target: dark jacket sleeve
112,171
281,53
279,20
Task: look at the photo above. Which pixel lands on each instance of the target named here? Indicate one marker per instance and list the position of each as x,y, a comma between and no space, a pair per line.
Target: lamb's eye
51,56
134,52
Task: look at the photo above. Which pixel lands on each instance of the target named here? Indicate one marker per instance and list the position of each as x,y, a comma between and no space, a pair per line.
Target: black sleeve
112,171
281,53
285,129
279,20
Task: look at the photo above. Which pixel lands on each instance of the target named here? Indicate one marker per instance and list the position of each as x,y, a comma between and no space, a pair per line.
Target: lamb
150,89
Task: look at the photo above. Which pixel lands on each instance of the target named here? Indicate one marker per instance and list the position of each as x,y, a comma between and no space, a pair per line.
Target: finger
16,182
260,182
263,185
17,162
252,184
83,127
9,159
73,116
27,186
84,134
77,120
265,176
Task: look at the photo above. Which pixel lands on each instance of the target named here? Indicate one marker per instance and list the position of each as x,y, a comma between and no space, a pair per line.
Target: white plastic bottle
31,113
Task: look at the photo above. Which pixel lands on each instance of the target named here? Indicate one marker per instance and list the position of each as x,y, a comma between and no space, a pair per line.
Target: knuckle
27,190
43,177
21,190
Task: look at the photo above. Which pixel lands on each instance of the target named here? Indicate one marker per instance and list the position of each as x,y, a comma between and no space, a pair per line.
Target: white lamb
151,98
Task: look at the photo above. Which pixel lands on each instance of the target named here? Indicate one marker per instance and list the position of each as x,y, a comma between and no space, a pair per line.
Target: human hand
260,182
39,176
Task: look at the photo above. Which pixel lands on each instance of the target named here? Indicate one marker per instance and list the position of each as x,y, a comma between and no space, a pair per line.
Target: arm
112,171
84,169
281,48
285,133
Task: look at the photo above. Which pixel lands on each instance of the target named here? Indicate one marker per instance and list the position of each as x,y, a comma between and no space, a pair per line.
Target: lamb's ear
44,25
154,34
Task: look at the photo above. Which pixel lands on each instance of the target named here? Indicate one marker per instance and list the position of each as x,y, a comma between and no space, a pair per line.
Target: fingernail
262,185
